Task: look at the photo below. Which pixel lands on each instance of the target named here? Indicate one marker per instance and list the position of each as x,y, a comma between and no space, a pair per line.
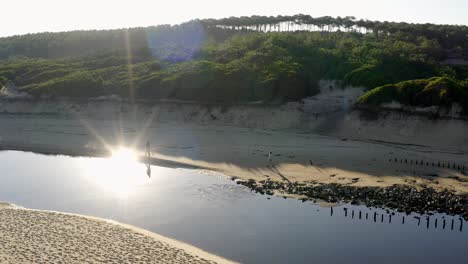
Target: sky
32,16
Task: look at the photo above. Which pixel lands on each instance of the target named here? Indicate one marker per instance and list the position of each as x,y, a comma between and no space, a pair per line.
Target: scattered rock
401,198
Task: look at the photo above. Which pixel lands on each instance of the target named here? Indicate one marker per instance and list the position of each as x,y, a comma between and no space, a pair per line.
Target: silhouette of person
148,156
148,149
148,170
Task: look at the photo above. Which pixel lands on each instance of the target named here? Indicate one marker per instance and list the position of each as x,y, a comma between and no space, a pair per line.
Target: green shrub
227,65
437,91
77,85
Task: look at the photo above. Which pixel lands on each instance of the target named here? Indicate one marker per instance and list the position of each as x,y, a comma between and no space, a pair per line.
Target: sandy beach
318,140
243,152
334,148
32,236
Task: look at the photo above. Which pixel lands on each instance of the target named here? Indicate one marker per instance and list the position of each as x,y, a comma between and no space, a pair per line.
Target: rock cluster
397,197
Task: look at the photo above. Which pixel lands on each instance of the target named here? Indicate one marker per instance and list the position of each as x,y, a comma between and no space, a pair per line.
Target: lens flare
120,174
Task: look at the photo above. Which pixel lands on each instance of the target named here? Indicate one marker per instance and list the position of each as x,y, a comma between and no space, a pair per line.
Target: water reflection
148,157
389,215
216,214
148,170
121,174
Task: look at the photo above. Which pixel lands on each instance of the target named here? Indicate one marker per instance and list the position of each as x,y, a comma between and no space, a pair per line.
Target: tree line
209,61
449,36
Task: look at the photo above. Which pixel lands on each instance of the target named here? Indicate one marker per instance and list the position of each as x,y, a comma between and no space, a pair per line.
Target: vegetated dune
438,92
33,236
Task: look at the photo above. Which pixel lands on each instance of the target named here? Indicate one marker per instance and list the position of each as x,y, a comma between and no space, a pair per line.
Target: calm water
213,213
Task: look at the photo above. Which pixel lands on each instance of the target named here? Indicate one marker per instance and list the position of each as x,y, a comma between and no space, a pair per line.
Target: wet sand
243,152
32,236
237,152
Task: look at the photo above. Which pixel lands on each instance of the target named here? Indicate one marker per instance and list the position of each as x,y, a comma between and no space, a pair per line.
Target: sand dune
32,236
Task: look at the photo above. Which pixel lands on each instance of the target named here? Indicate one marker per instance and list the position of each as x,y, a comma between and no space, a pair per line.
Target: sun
120,174
124,155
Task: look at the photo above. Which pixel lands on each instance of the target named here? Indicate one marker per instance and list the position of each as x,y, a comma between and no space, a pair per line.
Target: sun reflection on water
120,174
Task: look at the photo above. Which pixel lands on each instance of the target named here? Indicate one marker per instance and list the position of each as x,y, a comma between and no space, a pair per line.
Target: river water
212,212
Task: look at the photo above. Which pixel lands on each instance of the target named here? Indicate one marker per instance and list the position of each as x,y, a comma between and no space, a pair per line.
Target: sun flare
120,174
123,155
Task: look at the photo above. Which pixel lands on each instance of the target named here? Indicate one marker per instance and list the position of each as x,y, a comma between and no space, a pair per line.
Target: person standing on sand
148,151
269,156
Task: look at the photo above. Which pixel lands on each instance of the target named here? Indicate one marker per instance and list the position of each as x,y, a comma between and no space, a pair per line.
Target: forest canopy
237,59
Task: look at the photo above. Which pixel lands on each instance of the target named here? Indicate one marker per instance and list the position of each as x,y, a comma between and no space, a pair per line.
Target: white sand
32,236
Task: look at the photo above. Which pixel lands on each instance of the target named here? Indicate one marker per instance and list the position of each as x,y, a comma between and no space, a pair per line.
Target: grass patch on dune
437,91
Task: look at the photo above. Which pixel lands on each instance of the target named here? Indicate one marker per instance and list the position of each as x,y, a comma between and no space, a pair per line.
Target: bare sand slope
31,236
316,140
243,152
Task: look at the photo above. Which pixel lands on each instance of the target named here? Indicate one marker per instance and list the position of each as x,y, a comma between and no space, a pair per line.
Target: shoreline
316,140
344,150
397,197
250,163
94,153
404,198
66,230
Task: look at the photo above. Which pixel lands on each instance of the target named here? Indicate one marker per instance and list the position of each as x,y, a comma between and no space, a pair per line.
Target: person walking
148,149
